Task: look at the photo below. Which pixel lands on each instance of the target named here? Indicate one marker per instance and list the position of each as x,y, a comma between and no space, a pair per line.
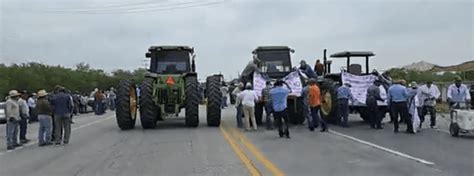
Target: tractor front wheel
214,98
148,109
192,102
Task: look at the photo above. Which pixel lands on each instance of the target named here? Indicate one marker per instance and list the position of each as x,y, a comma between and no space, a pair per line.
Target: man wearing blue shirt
279,97
397,97
343,96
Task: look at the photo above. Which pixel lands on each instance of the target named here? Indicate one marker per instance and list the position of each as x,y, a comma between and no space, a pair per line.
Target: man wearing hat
44,110
24,114
12,112
279,97
248,98
344,94
397,98
458,93
62,104
238,104
373,95
429,93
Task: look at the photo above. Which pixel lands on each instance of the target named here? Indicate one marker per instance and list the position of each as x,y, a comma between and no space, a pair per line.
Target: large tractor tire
126,105
295,111
149,112
192,102
329,104
214,98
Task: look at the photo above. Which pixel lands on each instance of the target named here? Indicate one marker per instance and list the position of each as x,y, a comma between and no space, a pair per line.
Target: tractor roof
260,48
171,47
345,54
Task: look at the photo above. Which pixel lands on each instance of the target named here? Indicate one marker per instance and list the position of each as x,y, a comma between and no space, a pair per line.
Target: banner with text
360,84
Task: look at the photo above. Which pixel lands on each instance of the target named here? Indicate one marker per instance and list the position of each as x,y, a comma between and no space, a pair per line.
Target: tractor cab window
275,60
170,62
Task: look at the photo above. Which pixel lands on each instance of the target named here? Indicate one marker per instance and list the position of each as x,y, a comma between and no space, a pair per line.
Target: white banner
293,80
360,84
258,83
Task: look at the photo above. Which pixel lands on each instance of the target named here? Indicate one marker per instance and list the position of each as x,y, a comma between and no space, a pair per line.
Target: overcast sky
113,34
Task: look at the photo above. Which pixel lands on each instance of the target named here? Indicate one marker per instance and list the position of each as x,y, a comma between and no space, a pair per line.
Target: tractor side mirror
148,55
193,63
292,50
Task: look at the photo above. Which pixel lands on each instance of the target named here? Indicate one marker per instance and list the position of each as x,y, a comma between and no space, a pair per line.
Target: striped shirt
266,96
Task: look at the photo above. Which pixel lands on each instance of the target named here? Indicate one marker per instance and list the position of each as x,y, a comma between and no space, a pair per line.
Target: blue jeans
23,127
343,111
238,117
268,113
112,104
12,132
224,102
316,118
45,128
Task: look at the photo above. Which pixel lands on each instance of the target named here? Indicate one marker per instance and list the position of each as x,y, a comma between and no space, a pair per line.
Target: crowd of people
53,111
407,103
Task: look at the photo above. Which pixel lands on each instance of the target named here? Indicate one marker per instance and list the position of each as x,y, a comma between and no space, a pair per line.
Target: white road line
73,129
383,148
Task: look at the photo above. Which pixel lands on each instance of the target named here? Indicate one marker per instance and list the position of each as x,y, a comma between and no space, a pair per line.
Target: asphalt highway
99,147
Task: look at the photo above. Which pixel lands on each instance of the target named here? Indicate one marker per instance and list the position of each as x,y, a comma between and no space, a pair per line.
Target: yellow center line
257,153
238,151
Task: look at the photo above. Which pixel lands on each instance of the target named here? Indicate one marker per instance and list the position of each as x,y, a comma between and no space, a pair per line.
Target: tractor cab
171,59
355,69
275,60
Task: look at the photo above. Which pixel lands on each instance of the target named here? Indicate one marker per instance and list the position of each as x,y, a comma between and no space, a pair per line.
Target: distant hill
426,66
466,66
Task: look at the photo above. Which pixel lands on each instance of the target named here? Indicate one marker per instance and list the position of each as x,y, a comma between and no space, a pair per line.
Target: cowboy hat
13,93
42,93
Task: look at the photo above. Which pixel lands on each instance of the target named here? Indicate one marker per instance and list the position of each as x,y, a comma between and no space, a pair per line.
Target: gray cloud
224,34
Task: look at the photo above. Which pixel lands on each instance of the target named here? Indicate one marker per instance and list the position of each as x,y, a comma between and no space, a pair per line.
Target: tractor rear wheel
329,101
192,102
148,110
295,110
214,98
126,110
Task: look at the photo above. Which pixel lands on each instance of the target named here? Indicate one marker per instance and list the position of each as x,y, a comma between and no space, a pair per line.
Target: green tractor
170,85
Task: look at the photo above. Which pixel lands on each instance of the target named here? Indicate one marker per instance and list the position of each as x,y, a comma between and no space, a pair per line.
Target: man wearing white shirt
248,98
428,95
458,93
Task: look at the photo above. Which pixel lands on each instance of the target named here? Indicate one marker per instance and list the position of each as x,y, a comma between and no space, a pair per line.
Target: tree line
34,76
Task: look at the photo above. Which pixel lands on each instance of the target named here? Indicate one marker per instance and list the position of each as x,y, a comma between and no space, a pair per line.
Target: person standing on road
24,114
44,117
314,97
413,103
62,119
248,98
344,94
429,93
112,97
83,104
32,105
12,113
397,96
279,97
458,93
225,92
238,104
373,95
267,100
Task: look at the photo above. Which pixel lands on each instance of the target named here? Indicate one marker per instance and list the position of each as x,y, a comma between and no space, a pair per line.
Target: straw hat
13,93
42,93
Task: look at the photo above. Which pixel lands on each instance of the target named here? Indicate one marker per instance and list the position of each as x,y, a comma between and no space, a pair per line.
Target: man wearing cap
306,69
279,97
373,95
32,107
62,104
238,104
397,97
429,93
248,98
12,112
458,94
24,114
44,110
344,94
314,102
